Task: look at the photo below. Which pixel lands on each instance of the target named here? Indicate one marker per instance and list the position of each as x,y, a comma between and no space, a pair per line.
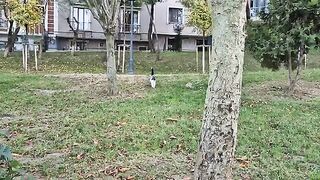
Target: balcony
3,24
83,26
126,28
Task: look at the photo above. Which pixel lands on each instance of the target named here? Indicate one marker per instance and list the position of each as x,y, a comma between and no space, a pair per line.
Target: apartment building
34,34
169,16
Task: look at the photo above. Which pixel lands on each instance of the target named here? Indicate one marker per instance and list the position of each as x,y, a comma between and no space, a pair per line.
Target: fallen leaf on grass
178,148
245,177
122,169
95,142
114,171
80,156
90,176
130,178
16,155
110,171
162,144
172,119
122,152
173,137
243,162
29,143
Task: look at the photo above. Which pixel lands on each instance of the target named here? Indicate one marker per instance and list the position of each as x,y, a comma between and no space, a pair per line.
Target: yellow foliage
200,16
28,13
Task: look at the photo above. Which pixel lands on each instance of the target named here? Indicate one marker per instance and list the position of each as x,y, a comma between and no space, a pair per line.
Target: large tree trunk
150,39
112,88
219,129
74,43
12,35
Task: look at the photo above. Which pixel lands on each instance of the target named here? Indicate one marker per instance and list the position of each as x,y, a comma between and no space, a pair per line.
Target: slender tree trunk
42,41
150,39
219,129
75,31
290,72
156,34
74,43
27,41
12,35
112,88
203,53
293,80
40,48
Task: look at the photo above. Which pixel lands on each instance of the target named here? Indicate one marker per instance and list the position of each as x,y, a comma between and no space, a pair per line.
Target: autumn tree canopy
26,13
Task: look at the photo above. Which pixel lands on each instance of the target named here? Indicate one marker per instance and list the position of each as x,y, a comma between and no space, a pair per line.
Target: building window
175,15
83,16
258,6
3,21
101,44
126,21
200,42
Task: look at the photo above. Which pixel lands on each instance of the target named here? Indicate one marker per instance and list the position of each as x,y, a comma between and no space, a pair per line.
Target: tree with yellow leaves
200,17
26,13
13,31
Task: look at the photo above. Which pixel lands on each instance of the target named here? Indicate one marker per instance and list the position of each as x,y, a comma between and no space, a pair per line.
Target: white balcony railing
126,28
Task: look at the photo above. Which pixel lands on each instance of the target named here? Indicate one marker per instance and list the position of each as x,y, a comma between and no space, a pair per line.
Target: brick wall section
51,16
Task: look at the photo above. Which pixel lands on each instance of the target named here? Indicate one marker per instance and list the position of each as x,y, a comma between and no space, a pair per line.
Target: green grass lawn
66,127
93,62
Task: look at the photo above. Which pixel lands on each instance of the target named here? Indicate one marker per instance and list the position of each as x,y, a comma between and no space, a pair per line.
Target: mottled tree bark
218,138
106,13
75,31
12,35
112,87
150,38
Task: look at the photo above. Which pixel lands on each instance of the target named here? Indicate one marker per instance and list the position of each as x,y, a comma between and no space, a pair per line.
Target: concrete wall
96,36
162,18
189,44
64,30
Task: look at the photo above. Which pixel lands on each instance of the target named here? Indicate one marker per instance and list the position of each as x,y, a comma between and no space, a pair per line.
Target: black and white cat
152,79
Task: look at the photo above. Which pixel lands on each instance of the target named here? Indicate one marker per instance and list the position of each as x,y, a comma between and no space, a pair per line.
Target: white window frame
122,14
3,19
175,7
86,25
255,9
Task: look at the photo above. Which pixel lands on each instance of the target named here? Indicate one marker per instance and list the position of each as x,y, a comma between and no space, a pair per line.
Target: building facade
170,16
167,15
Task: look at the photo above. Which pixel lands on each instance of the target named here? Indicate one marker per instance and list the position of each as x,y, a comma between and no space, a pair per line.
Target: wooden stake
203,59
26,58
119,53
123,57
36,57
305,61
197,58
23,58
209,56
